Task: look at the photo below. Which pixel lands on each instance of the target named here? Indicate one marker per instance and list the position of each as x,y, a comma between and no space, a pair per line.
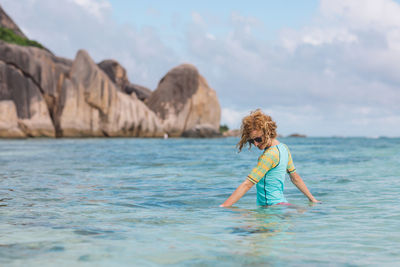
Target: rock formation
298,135
27,79
42,95
9,120
186,104
141,92
53,96
117,74
95,107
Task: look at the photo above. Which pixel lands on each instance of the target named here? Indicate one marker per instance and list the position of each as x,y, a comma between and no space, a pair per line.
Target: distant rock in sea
185,103
297,135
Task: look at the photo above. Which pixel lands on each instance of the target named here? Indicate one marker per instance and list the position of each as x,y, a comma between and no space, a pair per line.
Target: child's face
257,138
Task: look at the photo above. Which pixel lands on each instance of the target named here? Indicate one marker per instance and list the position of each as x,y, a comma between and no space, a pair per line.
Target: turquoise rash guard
269,174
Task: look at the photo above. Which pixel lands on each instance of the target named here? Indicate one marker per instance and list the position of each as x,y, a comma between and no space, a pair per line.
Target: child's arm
239,192
298,182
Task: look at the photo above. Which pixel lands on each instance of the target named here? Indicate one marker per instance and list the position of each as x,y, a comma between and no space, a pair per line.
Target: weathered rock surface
53,96
141,92
95,107
33,118
7,22
45,95
115,72
183,100
118,75
43,73
9,120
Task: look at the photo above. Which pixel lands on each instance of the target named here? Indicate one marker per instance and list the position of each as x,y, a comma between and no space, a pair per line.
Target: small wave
92,232
249,231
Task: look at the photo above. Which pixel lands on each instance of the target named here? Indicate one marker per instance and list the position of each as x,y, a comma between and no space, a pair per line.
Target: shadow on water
27,250
3,202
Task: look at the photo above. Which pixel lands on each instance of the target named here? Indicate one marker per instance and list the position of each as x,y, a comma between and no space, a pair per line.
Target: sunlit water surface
151,202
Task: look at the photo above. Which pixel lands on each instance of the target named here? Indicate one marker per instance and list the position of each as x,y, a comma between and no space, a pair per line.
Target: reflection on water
149,202
270,220
265,229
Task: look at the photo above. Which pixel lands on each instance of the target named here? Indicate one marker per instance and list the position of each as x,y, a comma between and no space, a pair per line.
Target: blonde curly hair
258,121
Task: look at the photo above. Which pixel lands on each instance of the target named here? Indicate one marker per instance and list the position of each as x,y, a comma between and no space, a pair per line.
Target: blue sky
170,17
321,68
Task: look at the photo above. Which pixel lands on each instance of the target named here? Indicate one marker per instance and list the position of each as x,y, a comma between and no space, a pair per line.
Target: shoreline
191,138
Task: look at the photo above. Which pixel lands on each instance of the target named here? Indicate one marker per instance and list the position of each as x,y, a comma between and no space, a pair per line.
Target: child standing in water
259,130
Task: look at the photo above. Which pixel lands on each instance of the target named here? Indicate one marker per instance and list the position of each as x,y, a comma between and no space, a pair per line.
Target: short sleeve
267,161
290,166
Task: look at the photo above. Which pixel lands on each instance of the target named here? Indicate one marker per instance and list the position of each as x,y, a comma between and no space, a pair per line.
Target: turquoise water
152,202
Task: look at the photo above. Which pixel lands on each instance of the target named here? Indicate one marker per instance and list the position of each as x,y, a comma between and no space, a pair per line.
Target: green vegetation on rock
223,128
9,36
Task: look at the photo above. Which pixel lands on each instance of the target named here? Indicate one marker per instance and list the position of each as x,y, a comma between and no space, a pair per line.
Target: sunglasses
257,139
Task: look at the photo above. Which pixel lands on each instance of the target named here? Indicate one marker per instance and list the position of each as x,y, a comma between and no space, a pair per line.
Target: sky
320,68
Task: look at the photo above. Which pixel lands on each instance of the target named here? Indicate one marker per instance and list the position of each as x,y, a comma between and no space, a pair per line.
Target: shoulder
283,144
270,153
285,147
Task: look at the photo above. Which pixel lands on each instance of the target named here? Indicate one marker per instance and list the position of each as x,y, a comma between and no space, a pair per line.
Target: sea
155,202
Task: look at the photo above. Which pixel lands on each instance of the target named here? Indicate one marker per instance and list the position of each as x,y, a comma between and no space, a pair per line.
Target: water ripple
151,202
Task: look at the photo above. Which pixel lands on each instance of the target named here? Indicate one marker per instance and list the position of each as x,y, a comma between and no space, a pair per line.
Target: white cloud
198,19
97,8
342,65
153,12
338,75
328,36
362,13
65,26
232,117
210,36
